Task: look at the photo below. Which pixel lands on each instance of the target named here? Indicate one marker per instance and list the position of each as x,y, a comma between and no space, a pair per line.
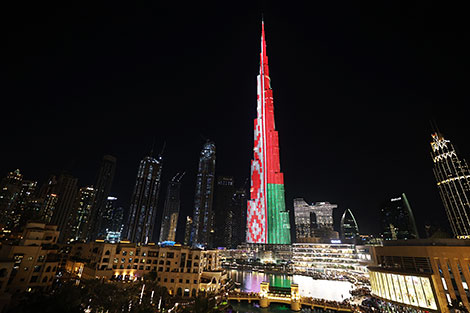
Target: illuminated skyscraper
223,214
86,195
267,218
10,188
64,212
187,230
398,222
349,228
203,215
453,181
171,209
143,209
102,187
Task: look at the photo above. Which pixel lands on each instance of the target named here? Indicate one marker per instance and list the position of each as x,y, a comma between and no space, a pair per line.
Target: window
105,260
30,258
114,266
134,267
147,268
154,261
131,253
37,268
187,281
195,281
165,280
44,280
124,253
160,269
48,269
26,268
136,261
123,260
181,280
144,254
141,267
142,261
167,262
41,258
107,252
115,260
170,255
172,280
34,279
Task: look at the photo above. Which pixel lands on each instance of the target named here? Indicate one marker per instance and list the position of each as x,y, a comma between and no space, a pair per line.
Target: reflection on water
308,287
245,307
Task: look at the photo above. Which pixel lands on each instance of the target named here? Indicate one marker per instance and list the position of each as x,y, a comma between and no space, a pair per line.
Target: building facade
223,211
143,209
453,181
64,213
104,182
171,209
182,270
86,196
398,220
314,222
425,275
34,257
203,218
267,218
10,188
349,227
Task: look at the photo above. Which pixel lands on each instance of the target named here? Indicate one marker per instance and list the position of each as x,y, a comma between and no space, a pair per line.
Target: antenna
163,150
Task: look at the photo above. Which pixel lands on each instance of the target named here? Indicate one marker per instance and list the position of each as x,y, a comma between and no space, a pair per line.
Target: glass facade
405,289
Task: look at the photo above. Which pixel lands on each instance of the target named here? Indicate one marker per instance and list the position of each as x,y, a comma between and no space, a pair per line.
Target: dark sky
355,86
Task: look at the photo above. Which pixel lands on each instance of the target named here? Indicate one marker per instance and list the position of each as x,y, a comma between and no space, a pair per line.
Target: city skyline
316,147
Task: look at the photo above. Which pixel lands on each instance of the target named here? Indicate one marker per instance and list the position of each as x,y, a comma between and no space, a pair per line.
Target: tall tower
223,214
349,228
267,218
103,185
453,181
397,219
143,209
203,215
171,209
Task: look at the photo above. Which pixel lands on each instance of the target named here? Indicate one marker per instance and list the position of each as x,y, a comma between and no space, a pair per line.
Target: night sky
355,86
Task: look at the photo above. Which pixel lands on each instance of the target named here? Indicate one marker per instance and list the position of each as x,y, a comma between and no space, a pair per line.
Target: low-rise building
34,259
181,269
424,275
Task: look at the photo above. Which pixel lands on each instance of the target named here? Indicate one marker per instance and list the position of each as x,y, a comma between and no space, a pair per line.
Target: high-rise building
171,209
112,220
203,214
187,230
102,187
143,209
65,210
453,181
86,196
10,188
397,219
349,228
267,218
223,213
238,220
314,222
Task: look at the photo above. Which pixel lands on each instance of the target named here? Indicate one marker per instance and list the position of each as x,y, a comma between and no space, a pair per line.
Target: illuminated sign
335,241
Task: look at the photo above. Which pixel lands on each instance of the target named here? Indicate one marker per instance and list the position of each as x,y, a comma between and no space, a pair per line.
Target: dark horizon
355,88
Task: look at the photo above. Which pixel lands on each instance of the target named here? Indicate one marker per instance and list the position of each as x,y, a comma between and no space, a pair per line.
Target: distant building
238,222
65,210
203,213
171,209
86,196
223,211
397,220
314,223
187,231
10,188
143,209
112,220
104,182
35,259
349,228
453,181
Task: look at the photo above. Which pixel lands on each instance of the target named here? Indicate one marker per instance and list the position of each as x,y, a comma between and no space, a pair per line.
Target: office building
223,211
143,208
203,214
314,222
187,231
104,182
453,181
10,188
64,213
349,228
239,205
85,200
397,219
171,209
267,218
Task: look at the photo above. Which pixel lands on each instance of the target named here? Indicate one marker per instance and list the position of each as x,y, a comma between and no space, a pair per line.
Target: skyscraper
349,228
86,196
223,213
453,181
239,204
314,222
143,209
187,231
65,210
10,188
202,214
171,209
267,218
102,187
398,222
